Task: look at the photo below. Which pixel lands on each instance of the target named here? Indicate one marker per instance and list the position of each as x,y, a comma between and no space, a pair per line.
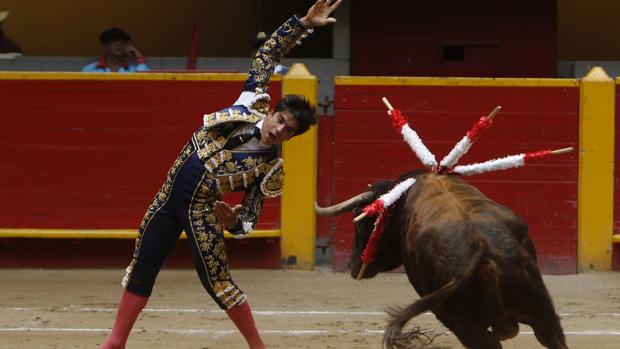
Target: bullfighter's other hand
225,214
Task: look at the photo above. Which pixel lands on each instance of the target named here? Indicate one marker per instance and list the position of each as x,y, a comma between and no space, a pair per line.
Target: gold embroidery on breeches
208,233
209,240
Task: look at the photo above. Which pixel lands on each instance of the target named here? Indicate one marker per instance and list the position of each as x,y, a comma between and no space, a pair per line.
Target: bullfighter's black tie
238,140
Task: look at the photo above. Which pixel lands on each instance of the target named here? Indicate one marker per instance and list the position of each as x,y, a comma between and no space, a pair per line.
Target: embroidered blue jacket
259,174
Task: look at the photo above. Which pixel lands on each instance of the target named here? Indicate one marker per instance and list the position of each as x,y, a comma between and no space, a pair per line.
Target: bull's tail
394,338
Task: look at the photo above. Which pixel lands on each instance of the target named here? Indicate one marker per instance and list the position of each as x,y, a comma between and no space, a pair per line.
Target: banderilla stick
387,103
562,151
494,112
362,271
360,217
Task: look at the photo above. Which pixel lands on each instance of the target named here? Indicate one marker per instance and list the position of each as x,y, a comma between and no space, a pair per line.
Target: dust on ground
293,309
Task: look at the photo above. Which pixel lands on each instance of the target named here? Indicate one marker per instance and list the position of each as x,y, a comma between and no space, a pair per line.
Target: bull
471,260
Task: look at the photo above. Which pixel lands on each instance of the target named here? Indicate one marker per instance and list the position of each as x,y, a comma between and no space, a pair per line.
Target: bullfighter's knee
141,278
227,294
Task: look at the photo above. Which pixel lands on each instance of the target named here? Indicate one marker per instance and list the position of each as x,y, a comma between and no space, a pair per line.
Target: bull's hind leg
475,337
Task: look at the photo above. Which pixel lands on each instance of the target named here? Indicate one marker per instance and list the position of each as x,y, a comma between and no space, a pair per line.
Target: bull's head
387,257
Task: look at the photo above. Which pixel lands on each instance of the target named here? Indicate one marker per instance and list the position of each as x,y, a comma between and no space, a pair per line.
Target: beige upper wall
157,27
588,30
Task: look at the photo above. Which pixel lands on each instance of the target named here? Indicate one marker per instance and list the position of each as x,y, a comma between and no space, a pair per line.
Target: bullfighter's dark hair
301,109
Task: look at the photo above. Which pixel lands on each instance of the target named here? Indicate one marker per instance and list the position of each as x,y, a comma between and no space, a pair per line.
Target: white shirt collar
253,144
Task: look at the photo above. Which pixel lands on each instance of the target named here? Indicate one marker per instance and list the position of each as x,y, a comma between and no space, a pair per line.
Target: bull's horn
344,206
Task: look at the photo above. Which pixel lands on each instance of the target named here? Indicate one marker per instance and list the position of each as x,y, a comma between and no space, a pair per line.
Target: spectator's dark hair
300,108
113,34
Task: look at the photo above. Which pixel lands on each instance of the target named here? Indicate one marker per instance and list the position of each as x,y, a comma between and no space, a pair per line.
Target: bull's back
449,221
473,263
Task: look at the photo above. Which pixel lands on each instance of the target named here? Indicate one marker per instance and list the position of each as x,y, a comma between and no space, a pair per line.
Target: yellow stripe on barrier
616,239
103,233
447,81
128,77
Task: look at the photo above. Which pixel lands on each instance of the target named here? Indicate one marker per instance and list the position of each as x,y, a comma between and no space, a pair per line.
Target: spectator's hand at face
133,52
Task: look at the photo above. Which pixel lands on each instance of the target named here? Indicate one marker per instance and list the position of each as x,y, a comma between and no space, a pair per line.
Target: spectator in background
118,54
259,40
7,45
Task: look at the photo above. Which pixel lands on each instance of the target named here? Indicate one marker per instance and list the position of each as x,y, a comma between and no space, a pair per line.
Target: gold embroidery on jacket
274,183
226,175
278,45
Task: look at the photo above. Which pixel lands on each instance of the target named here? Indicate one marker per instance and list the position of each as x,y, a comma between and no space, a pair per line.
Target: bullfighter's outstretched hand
318,14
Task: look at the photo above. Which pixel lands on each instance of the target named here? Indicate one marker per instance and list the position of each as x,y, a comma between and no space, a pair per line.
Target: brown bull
470,259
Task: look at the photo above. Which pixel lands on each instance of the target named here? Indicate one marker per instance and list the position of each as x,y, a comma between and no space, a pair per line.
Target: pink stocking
241,315
129,308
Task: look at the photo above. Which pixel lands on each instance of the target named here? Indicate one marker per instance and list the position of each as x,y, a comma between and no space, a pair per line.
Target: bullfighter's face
279,126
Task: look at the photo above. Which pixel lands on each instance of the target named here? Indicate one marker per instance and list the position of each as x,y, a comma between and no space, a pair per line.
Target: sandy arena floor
294,309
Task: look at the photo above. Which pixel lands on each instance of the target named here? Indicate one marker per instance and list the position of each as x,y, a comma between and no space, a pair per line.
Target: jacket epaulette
236,113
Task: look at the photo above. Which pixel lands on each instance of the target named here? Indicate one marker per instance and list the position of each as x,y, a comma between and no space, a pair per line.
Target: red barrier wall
93,153
325,174
367,149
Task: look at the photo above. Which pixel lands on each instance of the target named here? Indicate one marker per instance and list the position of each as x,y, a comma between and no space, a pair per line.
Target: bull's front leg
547,326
